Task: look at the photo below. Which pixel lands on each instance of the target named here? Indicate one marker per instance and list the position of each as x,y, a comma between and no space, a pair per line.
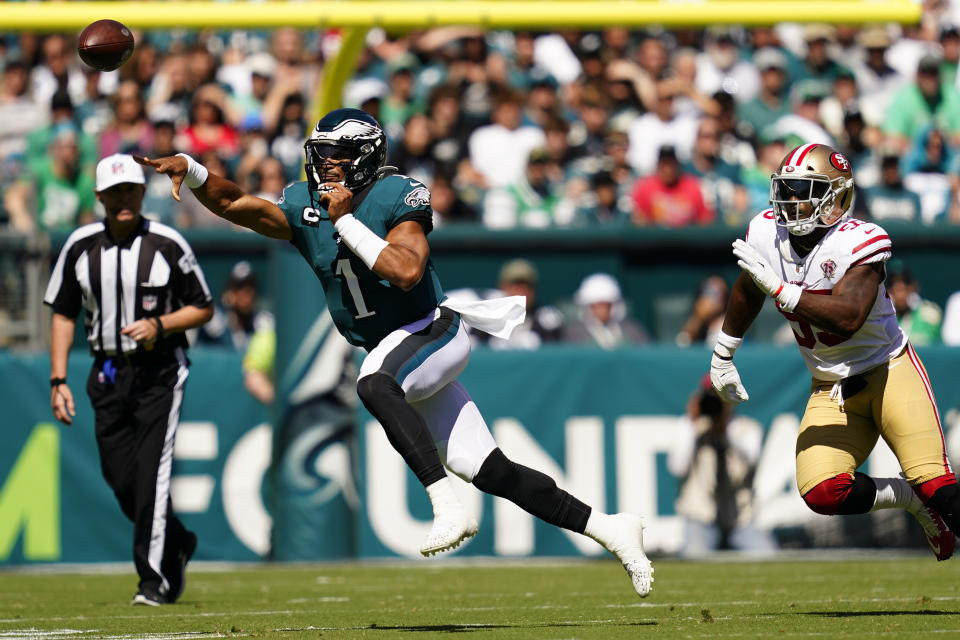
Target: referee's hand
61,401
143,331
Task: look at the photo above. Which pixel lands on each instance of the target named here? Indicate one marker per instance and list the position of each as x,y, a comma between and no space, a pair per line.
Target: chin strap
384,171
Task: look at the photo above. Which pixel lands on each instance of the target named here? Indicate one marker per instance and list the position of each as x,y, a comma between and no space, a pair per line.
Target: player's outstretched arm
224,198
844,311
746,300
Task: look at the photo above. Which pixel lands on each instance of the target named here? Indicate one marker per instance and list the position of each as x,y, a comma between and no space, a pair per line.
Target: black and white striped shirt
151,273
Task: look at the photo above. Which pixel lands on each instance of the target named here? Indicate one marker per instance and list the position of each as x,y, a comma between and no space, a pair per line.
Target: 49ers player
825,271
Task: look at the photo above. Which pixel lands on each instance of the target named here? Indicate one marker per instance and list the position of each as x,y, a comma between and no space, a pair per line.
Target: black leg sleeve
862,495
946,502
406,429
532,491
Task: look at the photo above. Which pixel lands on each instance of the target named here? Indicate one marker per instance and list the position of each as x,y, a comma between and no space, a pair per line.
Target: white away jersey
847,244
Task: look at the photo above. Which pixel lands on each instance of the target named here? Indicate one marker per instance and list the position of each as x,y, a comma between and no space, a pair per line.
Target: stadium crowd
508,129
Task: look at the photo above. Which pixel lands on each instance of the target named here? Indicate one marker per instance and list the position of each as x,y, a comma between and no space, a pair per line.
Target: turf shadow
860,614
467,628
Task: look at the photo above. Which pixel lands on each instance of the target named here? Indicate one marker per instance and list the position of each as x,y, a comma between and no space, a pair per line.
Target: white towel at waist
496,316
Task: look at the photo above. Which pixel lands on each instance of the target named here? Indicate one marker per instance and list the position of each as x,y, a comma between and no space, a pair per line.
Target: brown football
105,45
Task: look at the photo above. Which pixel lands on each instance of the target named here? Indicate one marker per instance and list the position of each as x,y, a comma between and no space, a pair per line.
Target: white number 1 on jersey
344,269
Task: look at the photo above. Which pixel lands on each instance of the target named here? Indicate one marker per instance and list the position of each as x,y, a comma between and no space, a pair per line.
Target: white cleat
626,543
447,533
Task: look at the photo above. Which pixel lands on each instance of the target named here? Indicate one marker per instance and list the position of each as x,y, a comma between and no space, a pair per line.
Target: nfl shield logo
149,303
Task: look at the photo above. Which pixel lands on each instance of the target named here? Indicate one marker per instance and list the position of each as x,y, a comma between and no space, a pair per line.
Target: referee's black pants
137,409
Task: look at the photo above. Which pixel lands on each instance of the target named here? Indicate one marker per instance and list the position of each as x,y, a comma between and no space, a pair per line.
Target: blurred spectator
706,316
603,205
61,113
58,69
129,131
532,201
157,203
736,141
925,170
819,69
660,127
56,194
413,153
588,131
843,99
877,81
447,128
237,318
770,103
602,316
688,99
499,151
771,148
543,323
271,179
258,361
803,124
286,144
448,206
950,329
208,129
670,197
523,72
921,103
889,200
399,104
720,182
715,456
720,68
950,47
19,114
857,142
920,319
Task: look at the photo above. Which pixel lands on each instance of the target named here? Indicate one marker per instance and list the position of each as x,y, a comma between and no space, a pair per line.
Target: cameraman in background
716,456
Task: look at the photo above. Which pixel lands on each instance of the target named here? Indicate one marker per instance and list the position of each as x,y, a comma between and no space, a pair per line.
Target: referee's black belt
134,358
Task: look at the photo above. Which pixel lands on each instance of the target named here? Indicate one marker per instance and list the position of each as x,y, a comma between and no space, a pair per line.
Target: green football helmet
346,134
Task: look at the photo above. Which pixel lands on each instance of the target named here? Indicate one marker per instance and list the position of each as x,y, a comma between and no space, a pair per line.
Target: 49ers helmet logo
839,161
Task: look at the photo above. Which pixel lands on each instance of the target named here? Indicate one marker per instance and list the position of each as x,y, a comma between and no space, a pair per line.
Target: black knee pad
498,475
377,391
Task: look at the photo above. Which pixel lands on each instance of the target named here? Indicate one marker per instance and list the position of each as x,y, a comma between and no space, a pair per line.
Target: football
105,45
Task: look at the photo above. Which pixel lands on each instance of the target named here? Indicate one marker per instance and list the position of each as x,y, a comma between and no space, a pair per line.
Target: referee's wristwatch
56,382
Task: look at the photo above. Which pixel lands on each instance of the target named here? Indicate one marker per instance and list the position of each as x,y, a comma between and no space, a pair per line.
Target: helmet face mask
812,188
349,140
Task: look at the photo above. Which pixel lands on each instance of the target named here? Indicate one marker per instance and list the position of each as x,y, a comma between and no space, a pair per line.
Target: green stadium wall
601,422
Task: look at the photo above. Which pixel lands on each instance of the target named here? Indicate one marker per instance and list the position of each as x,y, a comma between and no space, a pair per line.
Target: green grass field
850,595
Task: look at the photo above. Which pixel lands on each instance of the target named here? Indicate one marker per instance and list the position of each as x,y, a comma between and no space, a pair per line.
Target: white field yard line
151,615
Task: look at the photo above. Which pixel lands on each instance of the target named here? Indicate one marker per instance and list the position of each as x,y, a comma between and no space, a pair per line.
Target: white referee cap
117,169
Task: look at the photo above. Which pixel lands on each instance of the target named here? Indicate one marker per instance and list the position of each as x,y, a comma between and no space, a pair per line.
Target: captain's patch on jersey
829,268
310,217
420,195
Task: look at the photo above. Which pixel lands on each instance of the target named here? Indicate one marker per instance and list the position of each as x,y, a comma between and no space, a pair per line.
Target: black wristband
56,382
159,324
728,358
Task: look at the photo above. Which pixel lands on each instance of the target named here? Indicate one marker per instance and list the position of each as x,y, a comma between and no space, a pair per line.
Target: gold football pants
896,403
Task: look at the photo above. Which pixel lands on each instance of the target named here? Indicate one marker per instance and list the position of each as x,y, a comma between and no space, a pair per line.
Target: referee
141,287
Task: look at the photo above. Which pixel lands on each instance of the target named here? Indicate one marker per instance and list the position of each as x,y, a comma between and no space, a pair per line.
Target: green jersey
364,306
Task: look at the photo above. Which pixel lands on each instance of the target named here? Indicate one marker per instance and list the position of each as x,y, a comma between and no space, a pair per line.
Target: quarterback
825,271
363,231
